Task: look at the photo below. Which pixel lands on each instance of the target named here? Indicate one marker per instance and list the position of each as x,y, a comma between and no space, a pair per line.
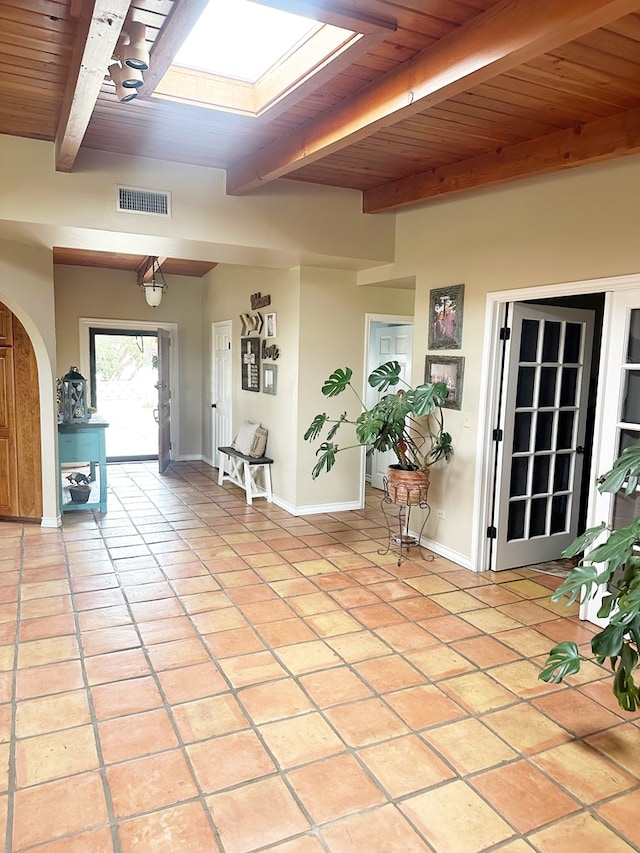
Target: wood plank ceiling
452,95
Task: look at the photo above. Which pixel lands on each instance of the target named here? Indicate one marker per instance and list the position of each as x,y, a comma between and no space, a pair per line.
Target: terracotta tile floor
188,673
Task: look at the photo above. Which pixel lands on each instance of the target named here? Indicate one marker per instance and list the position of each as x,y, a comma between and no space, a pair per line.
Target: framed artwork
445,317
250,355
269,378
450,370
271,325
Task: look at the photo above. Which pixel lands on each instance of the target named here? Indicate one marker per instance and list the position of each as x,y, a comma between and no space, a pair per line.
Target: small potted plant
80,488
613,565
408,421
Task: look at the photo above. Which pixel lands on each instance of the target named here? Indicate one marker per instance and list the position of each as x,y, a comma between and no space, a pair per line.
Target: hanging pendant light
156,285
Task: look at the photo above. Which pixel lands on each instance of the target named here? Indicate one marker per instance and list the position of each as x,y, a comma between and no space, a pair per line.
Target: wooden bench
242,472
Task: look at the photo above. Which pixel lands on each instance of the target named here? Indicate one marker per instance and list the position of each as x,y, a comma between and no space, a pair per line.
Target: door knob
580,449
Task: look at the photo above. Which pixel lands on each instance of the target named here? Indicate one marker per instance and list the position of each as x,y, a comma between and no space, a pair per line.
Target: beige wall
579,225
227,294
26,287
114,295
321,325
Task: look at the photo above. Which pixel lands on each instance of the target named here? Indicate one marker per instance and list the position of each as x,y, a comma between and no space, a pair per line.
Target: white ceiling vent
132,200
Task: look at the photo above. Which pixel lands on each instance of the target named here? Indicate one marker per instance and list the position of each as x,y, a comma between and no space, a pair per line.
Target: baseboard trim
56,521
315,509
443,551
189,457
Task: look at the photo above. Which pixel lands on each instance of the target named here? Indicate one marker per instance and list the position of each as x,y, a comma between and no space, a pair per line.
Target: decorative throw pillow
244,440
259,443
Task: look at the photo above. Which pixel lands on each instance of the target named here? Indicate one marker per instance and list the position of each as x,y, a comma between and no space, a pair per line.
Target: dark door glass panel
544,430
551,342
529,340
547,392
526,383
559,514
540,481
633,352
625,509
628,437
519,470
572,343
538,520
566,421
515,525
631,406
561,472
522,432
568,386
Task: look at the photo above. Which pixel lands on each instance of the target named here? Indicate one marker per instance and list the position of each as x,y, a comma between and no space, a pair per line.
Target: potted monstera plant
613,564
408,421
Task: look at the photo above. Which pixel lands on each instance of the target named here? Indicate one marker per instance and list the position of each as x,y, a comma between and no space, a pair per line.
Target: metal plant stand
398,520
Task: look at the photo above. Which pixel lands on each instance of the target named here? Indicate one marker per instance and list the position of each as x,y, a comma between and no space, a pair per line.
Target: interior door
164,401
388,342
8,458
541,454
221,391
620,406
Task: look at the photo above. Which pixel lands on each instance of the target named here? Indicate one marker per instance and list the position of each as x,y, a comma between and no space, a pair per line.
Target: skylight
241,39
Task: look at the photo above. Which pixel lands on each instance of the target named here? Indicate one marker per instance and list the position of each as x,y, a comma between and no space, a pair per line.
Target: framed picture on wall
250,355
269,378
450,370
445,317
271,325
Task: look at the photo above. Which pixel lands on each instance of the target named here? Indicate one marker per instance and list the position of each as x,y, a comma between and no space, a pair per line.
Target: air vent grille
132,200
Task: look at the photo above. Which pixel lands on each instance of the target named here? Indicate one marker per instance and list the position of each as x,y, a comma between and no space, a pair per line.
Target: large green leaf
580,581
315,428
337,382
426,398
564,659
624,686
618,548
384,376
608,643
625,470
583,542
327,458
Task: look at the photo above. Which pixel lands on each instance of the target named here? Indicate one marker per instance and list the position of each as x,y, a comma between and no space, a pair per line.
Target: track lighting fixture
125,91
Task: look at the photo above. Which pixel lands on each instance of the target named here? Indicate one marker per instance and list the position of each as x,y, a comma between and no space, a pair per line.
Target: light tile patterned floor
188,673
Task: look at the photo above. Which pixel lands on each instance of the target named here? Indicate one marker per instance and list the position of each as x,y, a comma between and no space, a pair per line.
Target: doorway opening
124,377
389,338
544,483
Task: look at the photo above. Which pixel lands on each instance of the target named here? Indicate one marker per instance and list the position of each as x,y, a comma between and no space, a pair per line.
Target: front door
221,390
164,401
388,342
541,440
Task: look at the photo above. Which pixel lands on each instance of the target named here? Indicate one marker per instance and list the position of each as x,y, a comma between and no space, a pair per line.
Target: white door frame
214,442
369,319
490,393
87,323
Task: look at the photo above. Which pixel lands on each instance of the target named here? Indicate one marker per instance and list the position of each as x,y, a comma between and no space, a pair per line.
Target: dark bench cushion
231,451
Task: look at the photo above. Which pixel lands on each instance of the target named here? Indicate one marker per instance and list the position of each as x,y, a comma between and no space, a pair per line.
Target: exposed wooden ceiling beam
504,36
334,12
147,268
598,140
174,31
98,30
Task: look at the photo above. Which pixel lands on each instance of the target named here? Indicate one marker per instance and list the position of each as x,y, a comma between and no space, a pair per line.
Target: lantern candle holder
74,397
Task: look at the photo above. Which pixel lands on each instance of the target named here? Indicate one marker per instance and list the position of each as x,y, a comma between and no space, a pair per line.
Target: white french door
541,446
221,372
620,384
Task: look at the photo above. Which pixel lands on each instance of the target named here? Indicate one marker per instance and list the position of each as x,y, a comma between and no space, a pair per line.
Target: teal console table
82,443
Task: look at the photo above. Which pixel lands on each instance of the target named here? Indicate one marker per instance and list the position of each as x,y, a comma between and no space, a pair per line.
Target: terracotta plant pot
407,487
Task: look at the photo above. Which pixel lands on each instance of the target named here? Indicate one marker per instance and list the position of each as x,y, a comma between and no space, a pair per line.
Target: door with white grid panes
541,454
621,418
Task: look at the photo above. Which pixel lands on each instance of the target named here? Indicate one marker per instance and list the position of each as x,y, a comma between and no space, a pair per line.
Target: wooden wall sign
250,353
